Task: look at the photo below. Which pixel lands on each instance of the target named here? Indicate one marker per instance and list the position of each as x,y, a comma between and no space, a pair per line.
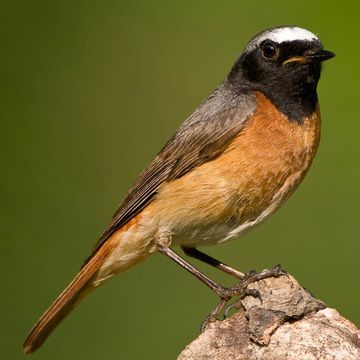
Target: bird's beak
320,55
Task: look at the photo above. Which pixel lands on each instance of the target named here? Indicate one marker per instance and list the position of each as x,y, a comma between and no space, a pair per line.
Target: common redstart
229,166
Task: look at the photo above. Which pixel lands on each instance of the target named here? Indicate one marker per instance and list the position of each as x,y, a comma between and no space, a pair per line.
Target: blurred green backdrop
90,91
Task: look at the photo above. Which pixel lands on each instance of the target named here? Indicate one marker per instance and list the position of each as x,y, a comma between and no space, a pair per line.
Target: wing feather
201,138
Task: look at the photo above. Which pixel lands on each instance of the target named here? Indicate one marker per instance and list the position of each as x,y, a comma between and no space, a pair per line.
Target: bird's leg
221,291
163,242
197,254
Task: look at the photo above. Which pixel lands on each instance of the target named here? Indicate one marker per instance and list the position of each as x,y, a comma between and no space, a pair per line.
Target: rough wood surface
287,323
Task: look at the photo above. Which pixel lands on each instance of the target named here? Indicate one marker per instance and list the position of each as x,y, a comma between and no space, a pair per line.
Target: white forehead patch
283,34
290,34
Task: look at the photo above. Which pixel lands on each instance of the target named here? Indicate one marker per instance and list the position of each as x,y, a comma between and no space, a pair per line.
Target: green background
90,91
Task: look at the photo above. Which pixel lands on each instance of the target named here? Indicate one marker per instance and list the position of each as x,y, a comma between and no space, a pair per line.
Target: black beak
320,55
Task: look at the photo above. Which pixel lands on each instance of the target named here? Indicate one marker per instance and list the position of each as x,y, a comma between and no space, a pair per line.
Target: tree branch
286,323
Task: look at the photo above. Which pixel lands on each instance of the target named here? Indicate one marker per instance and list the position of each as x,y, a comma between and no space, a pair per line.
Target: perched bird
229,166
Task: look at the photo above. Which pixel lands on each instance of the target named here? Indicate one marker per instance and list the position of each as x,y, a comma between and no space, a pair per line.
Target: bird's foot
253,276
239,290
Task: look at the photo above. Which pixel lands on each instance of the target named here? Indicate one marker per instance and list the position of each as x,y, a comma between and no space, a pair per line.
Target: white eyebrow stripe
283,34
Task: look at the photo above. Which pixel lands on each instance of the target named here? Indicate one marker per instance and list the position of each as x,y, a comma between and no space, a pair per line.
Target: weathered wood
287,323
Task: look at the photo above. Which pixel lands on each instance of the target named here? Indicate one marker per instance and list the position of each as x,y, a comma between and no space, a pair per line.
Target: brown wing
202,137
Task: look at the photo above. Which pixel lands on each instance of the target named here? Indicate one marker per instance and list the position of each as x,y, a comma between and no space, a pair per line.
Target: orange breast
257,172
273,154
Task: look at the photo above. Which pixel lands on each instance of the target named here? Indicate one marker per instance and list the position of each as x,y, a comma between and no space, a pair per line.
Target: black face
287,73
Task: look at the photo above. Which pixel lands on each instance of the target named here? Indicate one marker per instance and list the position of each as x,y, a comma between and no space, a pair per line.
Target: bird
230,165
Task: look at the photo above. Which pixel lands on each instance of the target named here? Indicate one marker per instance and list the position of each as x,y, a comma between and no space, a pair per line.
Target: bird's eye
270,51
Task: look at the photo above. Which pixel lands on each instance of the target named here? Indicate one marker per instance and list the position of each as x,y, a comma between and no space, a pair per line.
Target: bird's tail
123,249
65,302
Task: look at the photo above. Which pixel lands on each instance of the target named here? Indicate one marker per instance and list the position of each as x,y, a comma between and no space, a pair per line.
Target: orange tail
66,301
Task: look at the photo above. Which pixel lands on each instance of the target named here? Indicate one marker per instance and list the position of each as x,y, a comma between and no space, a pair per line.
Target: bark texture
286,323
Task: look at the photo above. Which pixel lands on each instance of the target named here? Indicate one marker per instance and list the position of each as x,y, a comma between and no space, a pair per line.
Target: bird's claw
241,290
